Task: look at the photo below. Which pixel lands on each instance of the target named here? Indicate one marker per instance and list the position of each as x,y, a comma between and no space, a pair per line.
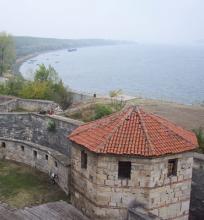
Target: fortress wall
34,128
45,159
27,104
36,105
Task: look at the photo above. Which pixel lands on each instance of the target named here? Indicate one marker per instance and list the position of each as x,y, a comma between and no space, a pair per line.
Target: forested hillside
29,45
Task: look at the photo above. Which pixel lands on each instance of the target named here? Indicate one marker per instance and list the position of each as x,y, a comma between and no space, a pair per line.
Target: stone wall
5,98
78,97
140,214
198,161
83,194
46,160
27,105
34,128
8,106
101,195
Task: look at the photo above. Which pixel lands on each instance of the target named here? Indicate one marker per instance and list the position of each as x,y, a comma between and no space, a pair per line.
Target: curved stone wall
8,104
40,157
34,128
25,138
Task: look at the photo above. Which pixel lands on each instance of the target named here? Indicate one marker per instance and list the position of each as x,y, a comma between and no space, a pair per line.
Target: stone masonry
34,128
130,158
88,163
101,195
46,159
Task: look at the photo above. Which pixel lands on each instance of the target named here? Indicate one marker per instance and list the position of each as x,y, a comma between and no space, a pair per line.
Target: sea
171,73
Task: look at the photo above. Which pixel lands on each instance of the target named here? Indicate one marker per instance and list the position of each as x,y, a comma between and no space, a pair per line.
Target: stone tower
128,158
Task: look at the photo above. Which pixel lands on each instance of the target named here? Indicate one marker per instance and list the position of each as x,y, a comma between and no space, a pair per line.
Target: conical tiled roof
134,132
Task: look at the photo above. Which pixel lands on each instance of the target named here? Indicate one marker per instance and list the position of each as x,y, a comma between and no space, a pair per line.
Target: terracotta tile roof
134,132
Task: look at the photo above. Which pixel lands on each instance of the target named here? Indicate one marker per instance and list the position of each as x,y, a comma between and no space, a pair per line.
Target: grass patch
21,186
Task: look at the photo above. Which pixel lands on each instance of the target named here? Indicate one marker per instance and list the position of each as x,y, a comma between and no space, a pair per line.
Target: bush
102,110
200,137
51,126
61,95
13,86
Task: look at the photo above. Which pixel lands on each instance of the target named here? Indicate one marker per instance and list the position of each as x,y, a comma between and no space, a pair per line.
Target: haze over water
163,72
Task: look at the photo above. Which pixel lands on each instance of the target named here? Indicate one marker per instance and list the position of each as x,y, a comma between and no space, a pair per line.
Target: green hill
30,45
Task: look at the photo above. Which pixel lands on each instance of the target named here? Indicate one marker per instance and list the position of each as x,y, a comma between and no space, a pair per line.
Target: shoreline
126,97
22,59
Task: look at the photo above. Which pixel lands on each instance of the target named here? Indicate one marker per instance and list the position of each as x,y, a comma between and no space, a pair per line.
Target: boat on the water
72,49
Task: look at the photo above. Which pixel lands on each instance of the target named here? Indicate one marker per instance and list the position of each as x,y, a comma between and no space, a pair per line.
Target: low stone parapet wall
38,156
32,105
8,106
5,98
78,97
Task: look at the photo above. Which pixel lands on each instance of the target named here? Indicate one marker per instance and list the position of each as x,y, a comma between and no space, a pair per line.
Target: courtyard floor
21,186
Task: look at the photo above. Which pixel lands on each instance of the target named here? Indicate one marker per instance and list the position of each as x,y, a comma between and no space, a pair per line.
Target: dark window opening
56,164
46,157
35,154
22,148
124,169
3,144
172,167
83,160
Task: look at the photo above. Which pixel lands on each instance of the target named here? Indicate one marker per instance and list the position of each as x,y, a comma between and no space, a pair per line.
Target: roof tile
134,132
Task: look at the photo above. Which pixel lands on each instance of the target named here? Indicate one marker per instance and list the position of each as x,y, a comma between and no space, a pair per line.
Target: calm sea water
163,72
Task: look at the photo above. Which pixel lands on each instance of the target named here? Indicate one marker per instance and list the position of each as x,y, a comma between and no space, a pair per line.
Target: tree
7,52
115,93
61,95
42,73
46,74
12,86
46,85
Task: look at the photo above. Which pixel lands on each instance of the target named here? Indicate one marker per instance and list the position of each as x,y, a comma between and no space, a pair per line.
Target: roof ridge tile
115,129
151,146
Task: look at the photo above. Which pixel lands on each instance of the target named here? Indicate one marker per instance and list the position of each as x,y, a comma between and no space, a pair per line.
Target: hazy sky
153,21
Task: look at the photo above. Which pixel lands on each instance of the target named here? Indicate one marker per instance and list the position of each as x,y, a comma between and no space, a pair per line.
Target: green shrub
200,137
102,110
46,85
51,126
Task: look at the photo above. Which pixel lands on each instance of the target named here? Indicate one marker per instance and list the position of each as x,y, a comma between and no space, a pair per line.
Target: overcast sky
152,21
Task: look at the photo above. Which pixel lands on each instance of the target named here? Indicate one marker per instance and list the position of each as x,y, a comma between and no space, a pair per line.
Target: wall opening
83,160
35,154
46,157
172,167
3,144
22,148
56,165
124,170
